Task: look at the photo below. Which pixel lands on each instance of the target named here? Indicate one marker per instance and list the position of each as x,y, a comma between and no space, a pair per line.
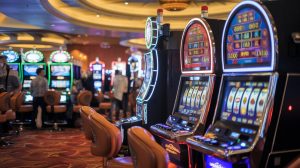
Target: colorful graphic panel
33,56
248,40
197,55
60,56
12,56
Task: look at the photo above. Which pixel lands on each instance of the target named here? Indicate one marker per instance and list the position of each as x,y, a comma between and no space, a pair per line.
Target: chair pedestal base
55,125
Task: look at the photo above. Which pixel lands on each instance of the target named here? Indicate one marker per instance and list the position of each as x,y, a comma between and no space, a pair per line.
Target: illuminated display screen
196,51
60,84
147,77
12,56
97,76
97,84
63,98
193,95
30,70
14,67
60,70
33,56
248,40
97,67
244,101
60,56
28,98
26,83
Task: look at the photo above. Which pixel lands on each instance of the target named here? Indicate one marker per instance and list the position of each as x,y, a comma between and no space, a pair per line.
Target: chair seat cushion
105,105
76,108
10,115
120,162
25,108
2,118
57,109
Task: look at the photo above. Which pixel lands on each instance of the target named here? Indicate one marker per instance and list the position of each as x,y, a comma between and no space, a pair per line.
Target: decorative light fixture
174,5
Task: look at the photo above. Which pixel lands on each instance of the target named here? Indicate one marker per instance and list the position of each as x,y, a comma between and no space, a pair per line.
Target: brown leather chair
107,142
16,103
52,99
85,114
145,152
106,106
5,106
84,98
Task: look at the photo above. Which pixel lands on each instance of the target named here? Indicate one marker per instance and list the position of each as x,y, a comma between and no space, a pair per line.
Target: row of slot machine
243,116
59,74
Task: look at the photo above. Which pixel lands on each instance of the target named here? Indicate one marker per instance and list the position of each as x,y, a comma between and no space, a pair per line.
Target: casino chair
84,98
107,141
106,106
145,151
17,105
6,115
85,114
52,99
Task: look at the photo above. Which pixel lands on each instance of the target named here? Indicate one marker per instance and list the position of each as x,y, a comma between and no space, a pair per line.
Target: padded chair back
52,97
107,137
4,102
85,114
16,101
84,98
145,152
100,97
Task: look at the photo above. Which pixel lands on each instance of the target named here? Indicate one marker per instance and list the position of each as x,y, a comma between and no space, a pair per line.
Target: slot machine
13,60
194,93
97,68
32,60
117,65
60,74
253,95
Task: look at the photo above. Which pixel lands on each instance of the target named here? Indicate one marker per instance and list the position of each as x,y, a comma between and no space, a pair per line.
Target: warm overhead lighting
126,3
97,16
174,5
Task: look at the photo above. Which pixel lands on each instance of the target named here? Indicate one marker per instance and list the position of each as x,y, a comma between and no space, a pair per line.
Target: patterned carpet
41,148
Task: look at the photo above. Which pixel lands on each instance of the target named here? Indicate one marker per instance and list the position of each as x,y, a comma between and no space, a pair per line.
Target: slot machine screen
247,40
60,70
14,67
193,95
60,84
196,48
97,67
244,101
147,77
97,76
97,84
28,98
30,70
26,83
63,98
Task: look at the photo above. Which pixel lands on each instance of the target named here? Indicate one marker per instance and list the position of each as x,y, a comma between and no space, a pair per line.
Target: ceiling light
52,25
174,5
97,16
126,3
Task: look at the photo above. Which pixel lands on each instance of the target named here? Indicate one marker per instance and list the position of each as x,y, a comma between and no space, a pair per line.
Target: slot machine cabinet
194,93
250,95
97,68
32,60
60,74
13,60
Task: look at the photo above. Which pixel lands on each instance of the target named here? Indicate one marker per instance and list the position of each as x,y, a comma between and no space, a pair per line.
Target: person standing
9,80
38,88
120,84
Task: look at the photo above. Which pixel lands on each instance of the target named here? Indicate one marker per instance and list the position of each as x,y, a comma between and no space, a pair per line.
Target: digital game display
97,67
26,83
60,84
30,70
97,76
247,40
60,70
196,49
14,67
97,84
193,95
244,101
12,56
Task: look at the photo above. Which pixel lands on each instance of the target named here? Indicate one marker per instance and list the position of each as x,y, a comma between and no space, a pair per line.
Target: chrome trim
211,40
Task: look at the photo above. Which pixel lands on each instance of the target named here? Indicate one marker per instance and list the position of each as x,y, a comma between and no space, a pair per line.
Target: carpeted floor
41,148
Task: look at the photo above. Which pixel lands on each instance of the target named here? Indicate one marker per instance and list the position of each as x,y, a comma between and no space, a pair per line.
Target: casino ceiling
117,19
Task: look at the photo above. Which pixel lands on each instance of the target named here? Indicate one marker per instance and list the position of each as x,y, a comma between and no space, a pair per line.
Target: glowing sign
151,32
248,39
197,50
33,56
60,56
12,56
